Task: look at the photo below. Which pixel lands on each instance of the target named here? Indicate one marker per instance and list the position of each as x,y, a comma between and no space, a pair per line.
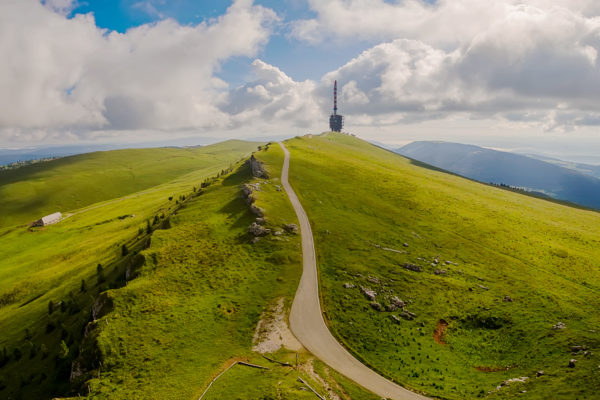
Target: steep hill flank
401,248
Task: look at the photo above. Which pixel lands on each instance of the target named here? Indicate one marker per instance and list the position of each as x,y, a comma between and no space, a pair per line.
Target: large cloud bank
529,61
532,62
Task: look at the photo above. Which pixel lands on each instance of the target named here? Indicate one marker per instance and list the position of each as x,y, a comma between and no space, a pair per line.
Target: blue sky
298,59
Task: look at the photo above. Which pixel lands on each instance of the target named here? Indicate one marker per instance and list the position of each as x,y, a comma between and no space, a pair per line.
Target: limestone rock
258,230
259,212
412,267
559,325
291,228
369,293
257,167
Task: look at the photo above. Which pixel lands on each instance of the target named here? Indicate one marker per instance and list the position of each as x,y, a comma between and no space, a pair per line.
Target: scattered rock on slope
408,315
258,230
369,293
559,325
412,267
259,212
507,382
395,304
291,228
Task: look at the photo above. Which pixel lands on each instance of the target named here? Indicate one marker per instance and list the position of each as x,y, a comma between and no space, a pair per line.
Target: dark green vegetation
68,183
365,202
570,182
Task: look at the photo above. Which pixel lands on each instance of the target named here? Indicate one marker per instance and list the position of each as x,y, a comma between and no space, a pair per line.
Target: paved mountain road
306,319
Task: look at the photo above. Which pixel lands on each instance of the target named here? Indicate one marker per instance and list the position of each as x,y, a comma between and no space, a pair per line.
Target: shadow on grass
237,209
242,174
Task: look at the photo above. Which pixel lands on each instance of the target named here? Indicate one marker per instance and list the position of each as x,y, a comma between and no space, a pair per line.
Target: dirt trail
306,319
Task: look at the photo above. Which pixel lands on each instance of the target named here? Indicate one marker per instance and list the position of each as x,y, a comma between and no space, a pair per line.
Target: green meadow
32,191
492,271
174,286
50,276
154,287
199,297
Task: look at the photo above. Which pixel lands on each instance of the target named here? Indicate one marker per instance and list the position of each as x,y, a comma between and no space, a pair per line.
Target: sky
509,74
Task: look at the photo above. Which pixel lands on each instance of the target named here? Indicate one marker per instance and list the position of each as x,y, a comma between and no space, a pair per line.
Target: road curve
306,319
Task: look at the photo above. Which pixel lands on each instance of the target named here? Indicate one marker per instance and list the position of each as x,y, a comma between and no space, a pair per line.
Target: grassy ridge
68,183
544,256
49,264
195,307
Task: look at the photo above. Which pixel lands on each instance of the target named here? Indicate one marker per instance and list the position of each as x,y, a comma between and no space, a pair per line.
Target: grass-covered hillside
68,183
154,294
50,277
195,307
490,285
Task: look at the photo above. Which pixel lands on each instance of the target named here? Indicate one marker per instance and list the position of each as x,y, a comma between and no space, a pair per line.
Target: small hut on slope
48,219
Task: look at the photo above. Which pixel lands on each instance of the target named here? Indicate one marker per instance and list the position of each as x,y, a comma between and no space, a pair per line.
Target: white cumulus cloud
66,74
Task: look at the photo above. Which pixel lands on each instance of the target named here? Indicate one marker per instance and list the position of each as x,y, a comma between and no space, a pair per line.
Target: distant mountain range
588,169
577,183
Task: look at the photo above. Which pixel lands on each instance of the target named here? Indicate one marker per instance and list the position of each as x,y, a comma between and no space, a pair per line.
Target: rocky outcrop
559,325
507,382
102,306
258,170
291,228
259,212
407,315
258,230
369,293
134,266
412,267
397,302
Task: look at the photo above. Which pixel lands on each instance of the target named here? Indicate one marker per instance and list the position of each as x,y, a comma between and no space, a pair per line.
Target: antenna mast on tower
336,122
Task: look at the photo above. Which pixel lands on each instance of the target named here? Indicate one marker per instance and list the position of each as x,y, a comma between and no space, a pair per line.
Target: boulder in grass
369,293
258,230
291,228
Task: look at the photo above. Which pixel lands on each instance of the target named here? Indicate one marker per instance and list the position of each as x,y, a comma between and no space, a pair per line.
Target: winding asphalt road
306,319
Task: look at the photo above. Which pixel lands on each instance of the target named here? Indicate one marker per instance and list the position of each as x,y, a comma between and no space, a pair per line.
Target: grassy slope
197,302
33,191
48,264
543,255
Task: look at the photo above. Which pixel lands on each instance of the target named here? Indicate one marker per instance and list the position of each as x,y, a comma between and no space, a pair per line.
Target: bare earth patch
438,334
273,333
